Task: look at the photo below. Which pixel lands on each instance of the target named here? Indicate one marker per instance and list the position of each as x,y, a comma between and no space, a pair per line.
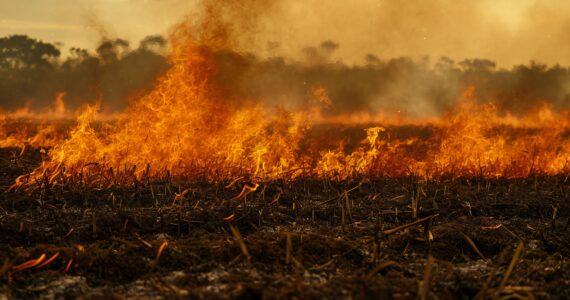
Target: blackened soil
302,239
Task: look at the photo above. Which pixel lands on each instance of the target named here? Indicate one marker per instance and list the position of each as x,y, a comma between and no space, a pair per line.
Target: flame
188,128
320,94
59,104
185,126
35,128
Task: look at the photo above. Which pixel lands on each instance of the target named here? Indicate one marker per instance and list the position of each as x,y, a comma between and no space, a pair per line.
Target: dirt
305,239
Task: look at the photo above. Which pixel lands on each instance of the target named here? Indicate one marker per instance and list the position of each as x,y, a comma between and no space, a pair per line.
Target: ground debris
112,245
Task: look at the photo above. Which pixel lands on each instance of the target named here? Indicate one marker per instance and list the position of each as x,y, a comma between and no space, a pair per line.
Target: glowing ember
29,264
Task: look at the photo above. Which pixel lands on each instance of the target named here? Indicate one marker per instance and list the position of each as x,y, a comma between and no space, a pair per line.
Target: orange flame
188,128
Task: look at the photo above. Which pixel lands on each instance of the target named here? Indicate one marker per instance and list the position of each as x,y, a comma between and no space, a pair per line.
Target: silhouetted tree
111,50
155,43
30,70
477,65
20,52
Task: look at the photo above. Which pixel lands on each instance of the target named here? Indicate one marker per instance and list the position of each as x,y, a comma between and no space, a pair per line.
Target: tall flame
186,127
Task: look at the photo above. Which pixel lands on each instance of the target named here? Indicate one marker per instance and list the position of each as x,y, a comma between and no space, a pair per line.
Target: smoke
320,55
371,57
418,88
224,25
93,22
415,87
410,82
509,32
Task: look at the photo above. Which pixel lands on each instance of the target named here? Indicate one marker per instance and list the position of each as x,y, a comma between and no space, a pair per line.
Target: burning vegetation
202,187
189,128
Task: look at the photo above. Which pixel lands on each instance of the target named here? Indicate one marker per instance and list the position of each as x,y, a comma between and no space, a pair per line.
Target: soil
392,238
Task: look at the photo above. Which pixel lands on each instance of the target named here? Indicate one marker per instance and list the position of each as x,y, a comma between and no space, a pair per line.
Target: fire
38,129
320,94
59,104
186,127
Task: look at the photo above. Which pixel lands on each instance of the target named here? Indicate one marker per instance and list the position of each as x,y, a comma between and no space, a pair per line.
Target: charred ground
303,238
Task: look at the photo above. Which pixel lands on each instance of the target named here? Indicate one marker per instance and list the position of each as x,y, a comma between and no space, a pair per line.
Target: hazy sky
507,31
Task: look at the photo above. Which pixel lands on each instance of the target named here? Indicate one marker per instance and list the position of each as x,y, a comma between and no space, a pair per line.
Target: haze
506,31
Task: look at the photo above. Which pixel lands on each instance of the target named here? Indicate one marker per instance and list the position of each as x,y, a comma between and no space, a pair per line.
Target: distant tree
372,60
112,50
79,53
477,65
155,43
77,57
329,46
444,64
22,52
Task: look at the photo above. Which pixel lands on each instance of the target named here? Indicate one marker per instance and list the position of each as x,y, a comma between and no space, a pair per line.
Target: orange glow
188,128
29,264
160,250
35,128
68,266
492,227
48,261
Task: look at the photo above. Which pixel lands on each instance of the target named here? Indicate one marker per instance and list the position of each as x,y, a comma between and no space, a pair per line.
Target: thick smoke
390,80
419,88
116,73
224,25
509,32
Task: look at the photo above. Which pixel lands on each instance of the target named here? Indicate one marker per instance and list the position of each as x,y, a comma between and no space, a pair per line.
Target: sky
507,31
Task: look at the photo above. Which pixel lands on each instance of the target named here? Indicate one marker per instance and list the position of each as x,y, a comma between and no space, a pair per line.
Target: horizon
507,32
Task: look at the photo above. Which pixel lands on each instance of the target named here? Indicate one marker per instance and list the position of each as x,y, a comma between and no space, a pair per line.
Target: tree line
33,70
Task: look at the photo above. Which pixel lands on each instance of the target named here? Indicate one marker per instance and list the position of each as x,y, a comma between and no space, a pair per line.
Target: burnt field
282,150
400,238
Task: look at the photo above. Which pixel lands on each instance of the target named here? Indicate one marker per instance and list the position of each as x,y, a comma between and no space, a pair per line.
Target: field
186,194
400,237
255,149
